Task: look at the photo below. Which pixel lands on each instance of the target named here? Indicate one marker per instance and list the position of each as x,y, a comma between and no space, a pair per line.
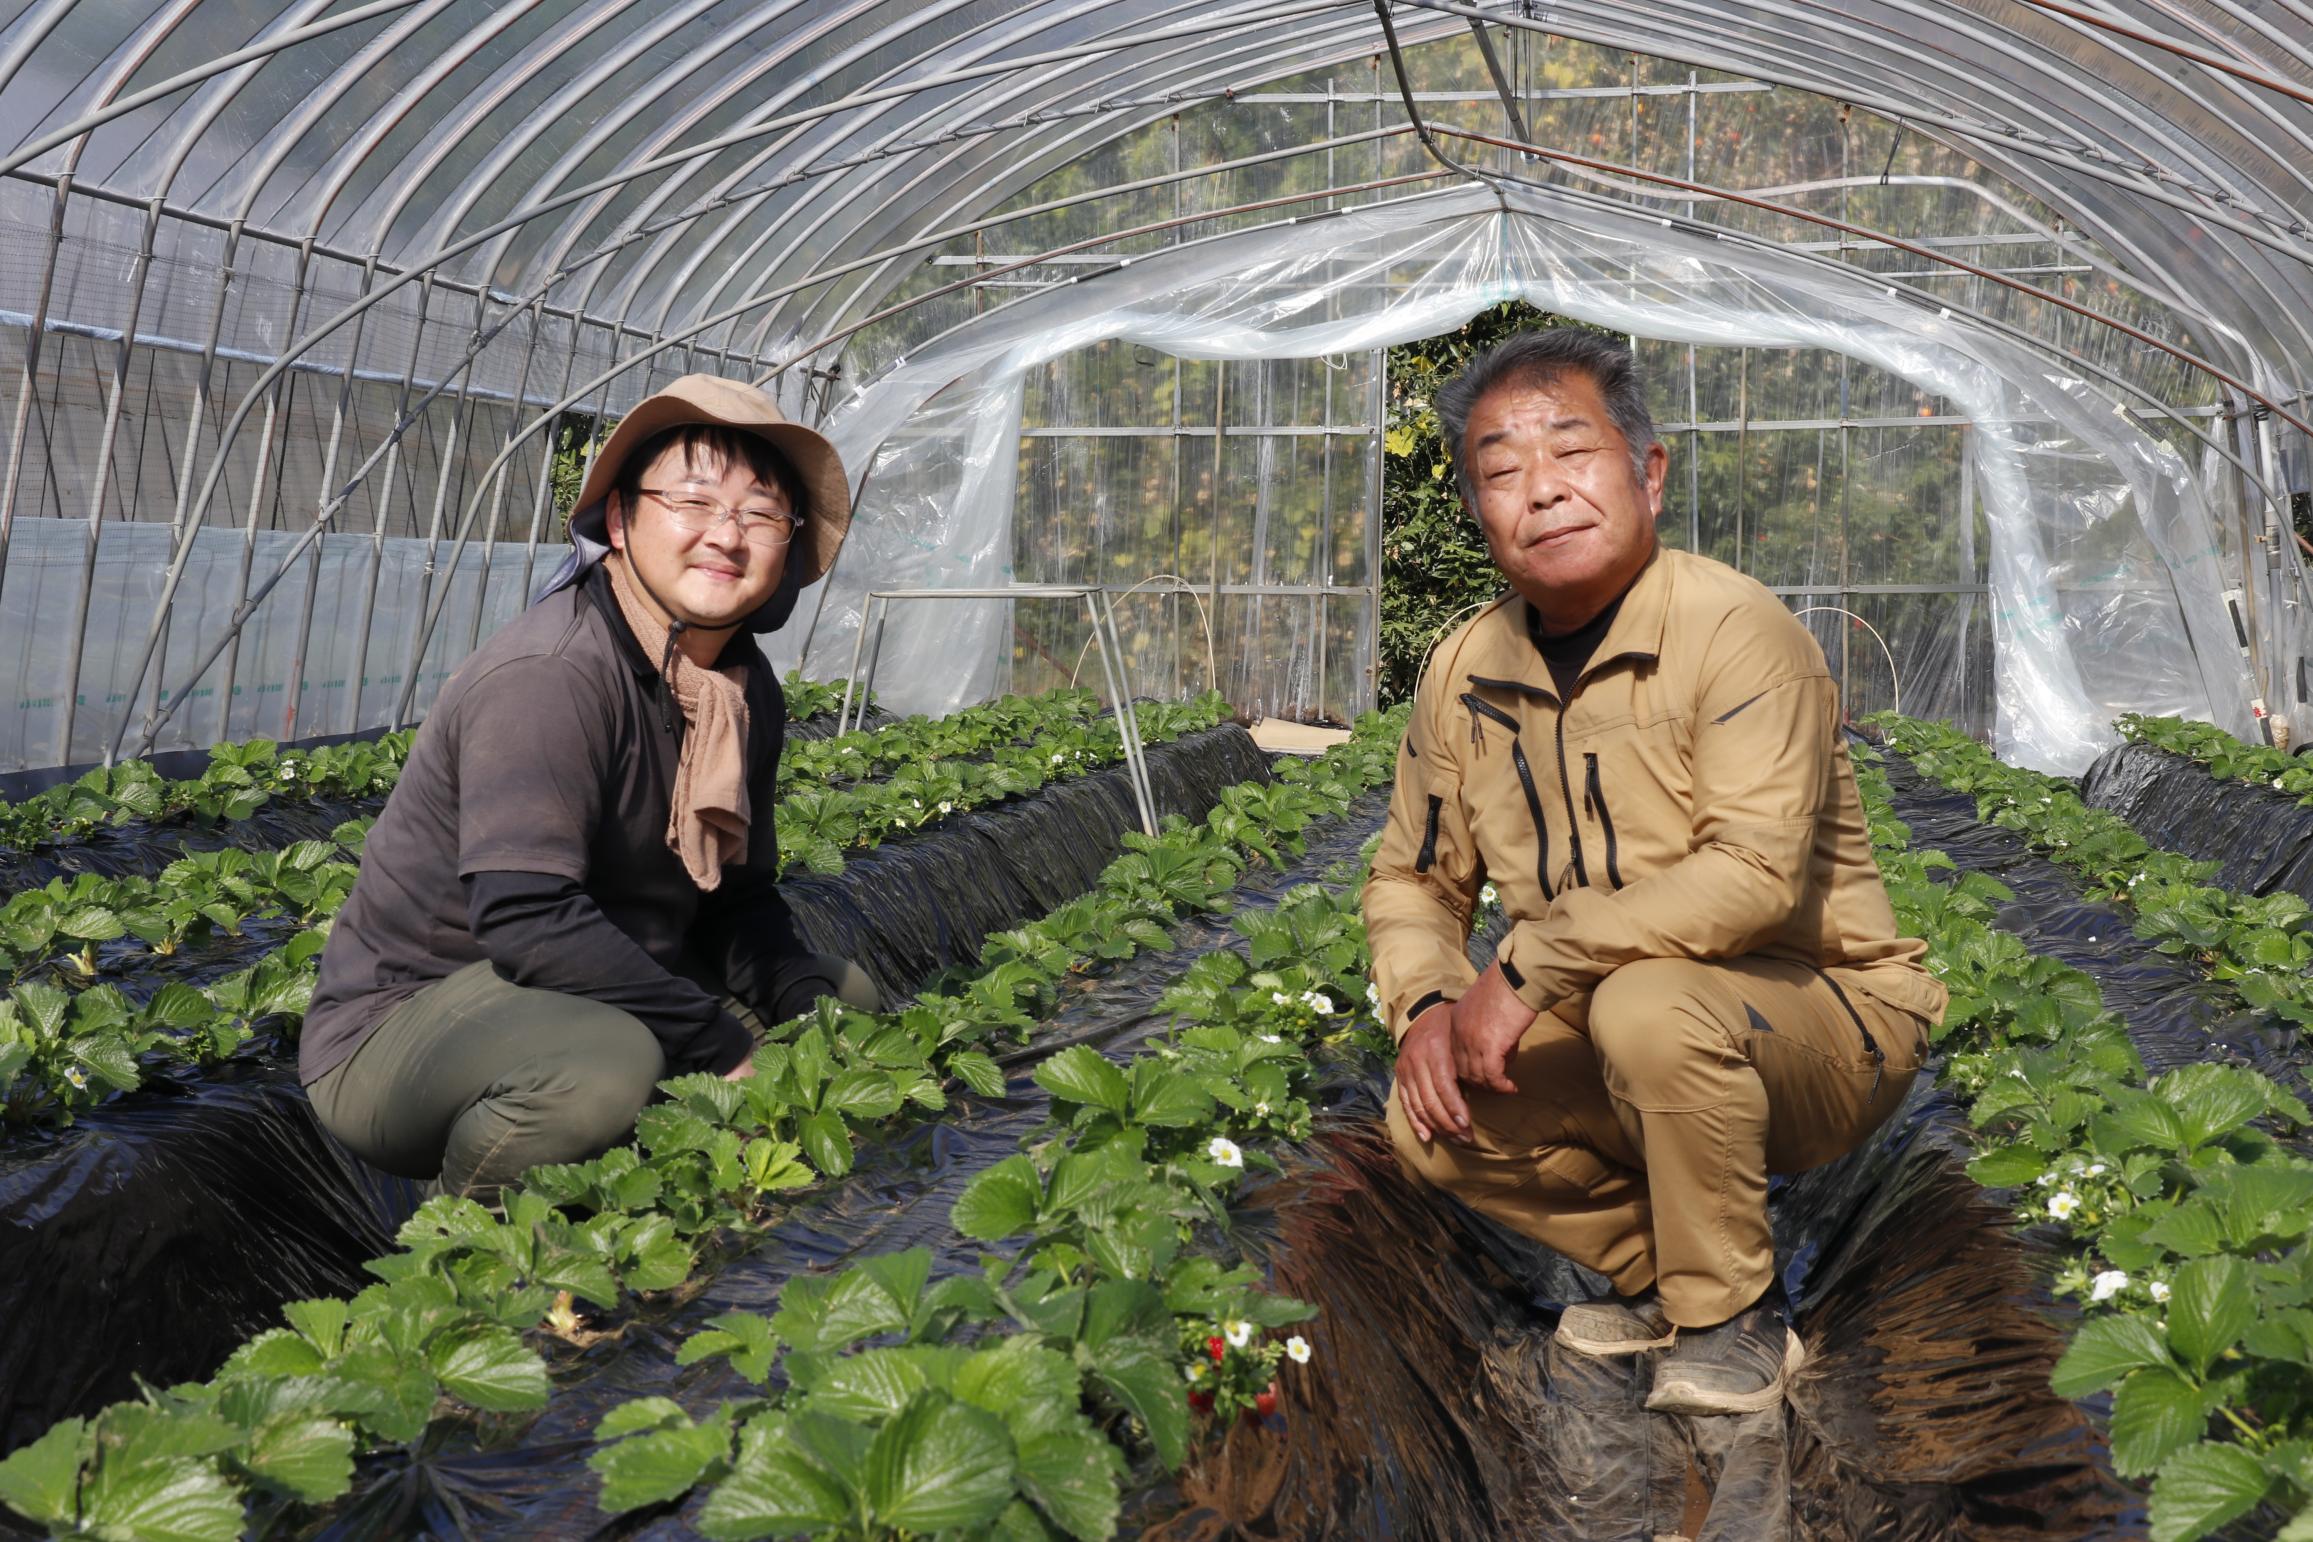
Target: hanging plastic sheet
2262,840
2104,587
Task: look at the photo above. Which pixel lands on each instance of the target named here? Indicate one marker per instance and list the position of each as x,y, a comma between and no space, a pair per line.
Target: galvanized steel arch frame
2117,170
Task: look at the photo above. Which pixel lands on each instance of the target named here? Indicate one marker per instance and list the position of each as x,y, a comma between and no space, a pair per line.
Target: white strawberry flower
1238,1332
1261,1110
2062,1203
1223,1150
946,807
2106,1285
1318,1002
78,1078
2158,1290
1194,1370
1280,999
1489,896
1297,1350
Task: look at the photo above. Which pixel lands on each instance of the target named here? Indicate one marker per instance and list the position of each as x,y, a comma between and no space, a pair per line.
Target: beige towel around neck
707,813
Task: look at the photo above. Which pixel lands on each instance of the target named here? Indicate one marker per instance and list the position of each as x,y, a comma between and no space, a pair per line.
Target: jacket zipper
1428,856
1595,798
1566,790
1525,780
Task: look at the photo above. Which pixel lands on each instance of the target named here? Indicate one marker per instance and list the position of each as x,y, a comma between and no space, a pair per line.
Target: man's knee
1423,1161
1654,1023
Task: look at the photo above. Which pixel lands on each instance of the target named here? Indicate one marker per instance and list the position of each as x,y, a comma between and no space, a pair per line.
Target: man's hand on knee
1425,1078
1489,1021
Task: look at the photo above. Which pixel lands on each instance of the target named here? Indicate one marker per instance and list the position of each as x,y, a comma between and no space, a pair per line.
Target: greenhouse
1009,870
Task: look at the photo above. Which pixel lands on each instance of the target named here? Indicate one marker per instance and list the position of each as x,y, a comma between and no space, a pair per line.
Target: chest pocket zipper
1594,797
1486,709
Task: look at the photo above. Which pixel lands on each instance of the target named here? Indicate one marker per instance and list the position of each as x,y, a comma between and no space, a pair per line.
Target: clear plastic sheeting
382,269
2102,587
296,669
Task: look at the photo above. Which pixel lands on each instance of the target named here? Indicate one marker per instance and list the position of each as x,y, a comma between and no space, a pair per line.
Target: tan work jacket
1692,799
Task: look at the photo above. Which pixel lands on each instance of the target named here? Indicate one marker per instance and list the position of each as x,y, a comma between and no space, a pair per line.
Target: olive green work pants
476,1080
1643,1130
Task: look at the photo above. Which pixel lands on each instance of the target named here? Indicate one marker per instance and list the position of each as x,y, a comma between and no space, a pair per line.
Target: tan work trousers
1640,1138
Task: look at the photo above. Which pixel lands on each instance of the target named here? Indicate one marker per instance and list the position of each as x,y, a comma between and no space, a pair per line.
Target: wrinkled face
1567,518
709,579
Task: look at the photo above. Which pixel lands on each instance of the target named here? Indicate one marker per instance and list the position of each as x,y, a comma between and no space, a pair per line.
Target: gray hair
1537,358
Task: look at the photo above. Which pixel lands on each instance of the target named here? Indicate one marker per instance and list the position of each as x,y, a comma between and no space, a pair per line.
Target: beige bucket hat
732,404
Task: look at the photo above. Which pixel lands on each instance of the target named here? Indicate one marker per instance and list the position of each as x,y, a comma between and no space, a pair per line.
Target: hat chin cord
676,627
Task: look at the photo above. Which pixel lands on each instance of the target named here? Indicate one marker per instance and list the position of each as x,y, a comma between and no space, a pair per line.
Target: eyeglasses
765,527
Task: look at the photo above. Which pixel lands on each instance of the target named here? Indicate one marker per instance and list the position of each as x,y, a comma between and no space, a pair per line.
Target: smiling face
1568,519
710,580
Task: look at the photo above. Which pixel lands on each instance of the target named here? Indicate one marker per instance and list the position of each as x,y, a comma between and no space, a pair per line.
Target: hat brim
814,459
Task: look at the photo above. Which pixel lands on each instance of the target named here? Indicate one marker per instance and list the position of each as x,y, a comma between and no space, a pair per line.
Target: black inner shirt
1567,653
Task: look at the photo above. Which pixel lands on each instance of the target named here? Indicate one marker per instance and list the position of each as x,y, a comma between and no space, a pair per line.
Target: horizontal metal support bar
1139,591
1202,431
1817,591
59,327
1546,94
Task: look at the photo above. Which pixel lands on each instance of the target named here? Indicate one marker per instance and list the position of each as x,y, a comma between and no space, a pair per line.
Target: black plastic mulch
1924,1412
163,1229
146,848
2176,1015
2262,840
899,1197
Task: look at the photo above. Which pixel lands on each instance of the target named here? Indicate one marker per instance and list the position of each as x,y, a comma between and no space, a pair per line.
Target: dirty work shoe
1740,1366
1615,1325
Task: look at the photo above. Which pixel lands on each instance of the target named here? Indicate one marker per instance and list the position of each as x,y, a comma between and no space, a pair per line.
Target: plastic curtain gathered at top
2099,585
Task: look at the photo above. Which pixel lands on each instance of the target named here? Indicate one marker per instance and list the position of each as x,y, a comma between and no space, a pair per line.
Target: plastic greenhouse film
2175,1014
166,1231
152,1239
2103,567
2262,840
900,1196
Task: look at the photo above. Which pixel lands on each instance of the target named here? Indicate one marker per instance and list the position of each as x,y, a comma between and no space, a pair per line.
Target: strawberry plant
2227,758
2188,1215
439,1337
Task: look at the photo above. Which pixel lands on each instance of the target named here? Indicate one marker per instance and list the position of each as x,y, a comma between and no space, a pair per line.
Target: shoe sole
1608,1348
1685,1399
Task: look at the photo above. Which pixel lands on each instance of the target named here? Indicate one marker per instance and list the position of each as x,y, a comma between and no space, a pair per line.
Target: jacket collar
1502,653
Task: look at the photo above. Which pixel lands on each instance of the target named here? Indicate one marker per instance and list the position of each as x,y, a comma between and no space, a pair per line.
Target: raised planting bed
117,978
2259,836
845,1072
2181,1187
